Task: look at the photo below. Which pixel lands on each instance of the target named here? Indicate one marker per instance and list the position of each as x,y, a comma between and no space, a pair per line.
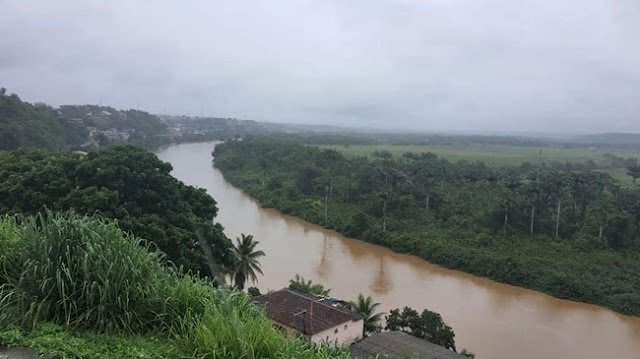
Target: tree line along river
491,319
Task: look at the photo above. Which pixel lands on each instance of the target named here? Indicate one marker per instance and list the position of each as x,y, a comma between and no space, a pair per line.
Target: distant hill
614,139
108,118
74,127
27,126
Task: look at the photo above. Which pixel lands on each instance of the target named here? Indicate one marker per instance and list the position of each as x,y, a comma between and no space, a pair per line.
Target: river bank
494,320
565,269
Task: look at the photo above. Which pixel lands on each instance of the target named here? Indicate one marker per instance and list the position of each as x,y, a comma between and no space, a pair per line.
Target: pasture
493,155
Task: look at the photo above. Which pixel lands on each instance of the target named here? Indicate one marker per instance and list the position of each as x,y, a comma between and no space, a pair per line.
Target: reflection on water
381,284
493,320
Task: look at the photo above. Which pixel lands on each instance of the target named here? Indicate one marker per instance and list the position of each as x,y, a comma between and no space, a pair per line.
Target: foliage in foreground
129,184
52,338
80,287
84,274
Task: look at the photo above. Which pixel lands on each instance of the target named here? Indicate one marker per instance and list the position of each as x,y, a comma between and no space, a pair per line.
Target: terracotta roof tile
303,312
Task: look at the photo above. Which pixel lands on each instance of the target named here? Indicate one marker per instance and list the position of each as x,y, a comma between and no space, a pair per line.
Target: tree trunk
426,206
326,200
558,218
600,232
506,221
533,215
384,216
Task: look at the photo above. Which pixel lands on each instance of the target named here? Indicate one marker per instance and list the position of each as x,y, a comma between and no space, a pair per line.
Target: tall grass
234,328
82,273
86,274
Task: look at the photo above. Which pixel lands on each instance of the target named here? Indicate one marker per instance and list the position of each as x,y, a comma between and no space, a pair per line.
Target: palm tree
366,307
216,271
247,263
299,284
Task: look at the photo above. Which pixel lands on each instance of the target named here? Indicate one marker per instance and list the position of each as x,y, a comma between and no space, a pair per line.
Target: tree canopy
299,284
426,325
128,184
26,126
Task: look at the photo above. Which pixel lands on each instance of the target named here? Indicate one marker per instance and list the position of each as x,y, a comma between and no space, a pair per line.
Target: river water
491,319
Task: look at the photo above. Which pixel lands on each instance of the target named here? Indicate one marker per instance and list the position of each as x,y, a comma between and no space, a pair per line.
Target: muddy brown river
491,319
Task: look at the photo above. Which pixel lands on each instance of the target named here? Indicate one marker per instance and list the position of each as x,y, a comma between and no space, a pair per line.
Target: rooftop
399,345
305,313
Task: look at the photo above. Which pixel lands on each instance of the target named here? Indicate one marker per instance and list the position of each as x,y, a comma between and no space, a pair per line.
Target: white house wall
348,336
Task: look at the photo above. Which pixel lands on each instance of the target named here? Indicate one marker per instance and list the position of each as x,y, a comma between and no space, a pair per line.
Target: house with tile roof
399,345
319,319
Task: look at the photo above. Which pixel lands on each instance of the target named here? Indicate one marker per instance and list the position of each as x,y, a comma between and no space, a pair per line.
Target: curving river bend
491,319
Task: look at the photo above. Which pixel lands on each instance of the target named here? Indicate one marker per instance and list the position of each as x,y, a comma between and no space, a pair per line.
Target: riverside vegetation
77,278
574,234
107,255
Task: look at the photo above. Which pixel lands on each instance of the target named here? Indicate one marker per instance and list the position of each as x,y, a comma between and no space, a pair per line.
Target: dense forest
573,234
128,184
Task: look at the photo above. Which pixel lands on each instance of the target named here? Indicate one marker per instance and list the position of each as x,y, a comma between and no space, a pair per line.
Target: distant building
399,345
115,135
319,319
77,122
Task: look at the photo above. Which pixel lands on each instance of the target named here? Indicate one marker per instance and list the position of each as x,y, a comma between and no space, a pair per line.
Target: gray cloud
492,65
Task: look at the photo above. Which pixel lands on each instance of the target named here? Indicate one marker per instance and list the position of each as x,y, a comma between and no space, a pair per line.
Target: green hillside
27,126
74,127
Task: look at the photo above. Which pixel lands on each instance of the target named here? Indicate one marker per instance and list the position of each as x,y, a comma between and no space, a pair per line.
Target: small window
335,331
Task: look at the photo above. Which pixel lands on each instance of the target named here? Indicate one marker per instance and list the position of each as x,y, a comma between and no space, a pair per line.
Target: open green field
621,176
493,155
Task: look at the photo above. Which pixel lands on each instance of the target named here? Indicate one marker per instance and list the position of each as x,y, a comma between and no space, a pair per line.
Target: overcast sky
475,65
